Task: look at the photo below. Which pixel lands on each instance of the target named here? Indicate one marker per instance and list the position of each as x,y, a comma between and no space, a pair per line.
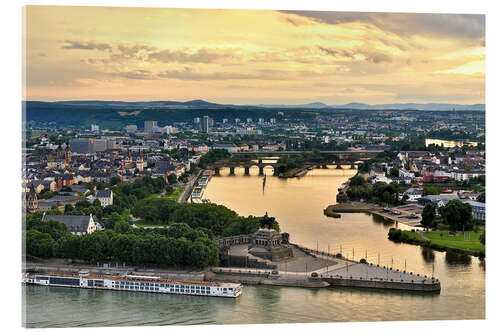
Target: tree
67,247
428,215
457,215
115,180
114,219
68,208
482,238
122,227
172,179
357,181
394,172
96,203
430,190
39,244
482,197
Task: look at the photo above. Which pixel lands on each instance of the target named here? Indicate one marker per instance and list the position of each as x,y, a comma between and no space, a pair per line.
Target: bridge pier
339,166
217,171
247,171
231,171
261,170
353,166
260,160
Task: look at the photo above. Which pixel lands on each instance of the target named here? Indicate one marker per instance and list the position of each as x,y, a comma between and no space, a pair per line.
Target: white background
10,155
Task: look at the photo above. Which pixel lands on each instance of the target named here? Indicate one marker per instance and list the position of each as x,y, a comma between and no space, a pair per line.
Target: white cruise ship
138,283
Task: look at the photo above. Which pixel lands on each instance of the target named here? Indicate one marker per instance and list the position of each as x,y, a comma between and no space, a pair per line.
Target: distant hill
400,106
198,103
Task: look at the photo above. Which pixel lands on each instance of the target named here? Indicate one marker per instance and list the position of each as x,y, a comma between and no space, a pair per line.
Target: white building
105,197
94,128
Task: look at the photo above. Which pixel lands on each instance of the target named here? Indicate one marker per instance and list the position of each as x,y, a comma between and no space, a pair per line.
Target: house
76,224
31,200
478,209
414,194
381,179
105,197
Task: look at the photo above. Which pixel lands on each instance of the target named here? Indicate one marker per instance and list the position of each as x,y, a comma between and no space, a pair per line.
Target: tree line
179,244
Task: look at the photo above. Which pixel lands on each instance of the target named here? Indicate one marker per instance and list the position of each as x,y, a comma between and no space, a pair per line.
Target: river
298,205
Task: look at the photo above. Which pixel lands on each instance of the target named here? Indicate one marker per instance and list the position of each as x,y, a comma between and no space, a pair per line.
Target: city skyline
252,57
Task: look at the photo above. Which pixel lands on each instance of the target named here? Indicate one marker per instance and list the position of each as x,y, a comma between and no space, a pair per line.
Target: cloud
189,74
138,74
469,26
374,57
182,56
90,45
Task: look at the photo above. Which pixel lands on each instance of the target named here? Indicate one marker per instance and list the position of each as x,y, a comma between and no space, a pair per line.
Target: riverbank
429,239
352,207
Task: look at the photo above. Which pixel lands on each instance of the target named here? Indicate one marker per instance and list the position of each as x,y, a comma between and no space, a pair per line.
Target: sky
251,56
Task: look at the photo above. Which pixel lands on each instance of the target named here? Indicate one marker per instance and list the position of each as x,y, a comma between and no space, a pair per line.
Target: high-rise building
225,120
197,120
249,120
272,120
261,120
149,124
206,124
131,128
94,128
237,120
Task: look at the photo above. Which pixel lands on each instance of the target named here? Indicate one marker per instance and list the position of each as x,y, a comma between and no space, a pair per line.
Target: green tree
457,215
394,172
67,246
68,208
172,179
39,244
96,203
482,238
428,215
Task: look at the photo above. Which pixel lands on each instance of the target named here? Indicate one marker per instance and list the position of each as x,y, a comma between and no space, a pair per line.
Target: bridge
247,165
340,153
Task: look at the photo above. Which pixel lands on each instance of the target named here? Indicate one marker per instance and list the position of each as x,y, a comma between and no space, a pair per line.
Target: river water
298,205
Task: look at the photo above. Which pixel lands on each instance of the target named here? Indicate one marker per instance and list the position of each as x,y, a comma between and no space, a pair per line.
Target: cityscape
235,205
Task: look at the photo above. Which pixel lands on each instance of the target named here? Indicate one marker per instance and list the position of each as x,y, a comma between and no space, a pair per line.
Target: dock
315,269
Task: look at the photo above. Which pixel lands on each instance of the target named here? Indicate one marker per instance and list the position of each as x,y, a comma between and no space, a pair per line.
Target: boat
197,192
137,283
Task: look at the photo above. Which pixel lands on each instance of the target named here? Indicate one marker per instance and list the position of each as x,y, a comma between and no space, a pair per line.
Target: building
230,147
414,194
105,197
31,200
94,128
131,128
478,209
249,120
76,224
206,124
149,124
81,146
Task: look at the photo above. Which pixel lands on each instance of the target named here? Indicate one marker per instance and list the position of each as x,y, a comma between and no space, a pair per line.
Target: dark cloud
374,57
469,26
90,45
200,56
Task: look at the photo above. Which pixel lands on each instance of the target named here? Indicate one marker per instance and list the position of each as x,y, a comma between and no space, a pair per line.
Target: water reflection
455,258
381,220
428,254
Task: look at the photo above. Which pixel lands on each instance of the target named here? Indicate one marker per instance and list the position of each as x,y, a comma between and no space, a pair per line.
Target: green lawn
175,194
456,241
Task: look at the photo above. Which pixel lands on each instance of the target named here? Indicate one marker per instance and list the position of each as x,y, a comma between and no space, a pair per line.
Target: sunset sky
251,57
